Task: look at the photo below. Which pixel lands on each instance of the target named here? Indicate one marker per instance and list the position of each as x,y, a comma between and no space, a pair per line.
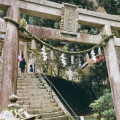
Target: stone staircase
38,99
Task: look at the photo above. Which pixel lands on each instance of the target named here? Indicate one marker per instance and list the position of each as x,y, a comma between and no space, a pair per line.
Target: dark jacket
22,64
31,69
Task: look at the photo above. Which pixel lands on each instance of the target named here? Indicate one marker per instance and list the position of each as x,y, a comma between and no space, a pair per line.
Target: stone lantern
14,112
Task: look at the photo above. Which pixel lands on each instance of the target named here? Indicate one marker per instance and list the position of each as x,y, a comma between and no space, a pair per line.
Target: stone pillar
10,58
25,56
113,70
2,53
20,54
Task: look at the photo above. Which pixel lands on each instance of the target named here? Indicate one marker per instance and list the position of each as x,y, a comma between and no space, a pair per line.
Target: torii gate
70,16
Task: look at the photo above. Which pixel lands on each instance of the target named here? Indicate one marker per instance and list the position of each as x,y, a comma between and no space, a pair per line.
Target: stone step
32,94
52,114
47,110
35,97
24,79
34,103
31,87
64,117
32,90
27,76
30,98
29,81
43,110
40,106
29,84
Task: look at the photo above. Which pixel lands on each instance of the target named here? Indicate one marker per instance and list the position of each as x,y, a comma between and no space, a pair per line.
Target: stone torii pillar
113,71
10,59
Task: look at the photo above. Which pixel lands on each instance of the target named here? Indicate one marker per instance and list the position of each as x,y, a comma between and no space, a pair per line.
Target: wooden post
10,59
113,70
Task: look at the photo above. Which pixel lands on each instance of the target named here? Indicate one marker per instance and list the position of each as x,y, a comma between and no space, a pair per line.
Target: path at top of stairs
37,99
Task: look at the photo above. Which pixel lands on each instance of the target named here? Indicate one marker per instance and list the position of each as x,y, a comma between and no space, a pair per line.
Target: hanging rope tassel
33,44
93,55
51,55
79,63
44,54
72,59
63,59
87,57
99,51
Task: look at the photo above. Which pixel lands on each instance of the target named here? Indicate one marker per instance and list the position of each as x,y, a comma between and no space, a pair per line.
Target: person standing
31,68
22,65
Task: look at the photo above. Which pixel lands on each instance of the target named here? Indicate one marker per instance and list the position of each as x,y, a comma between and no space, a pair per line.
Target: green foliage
2,13
95,79
111,6
54,43
43,22
104,106
87,29
81,3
